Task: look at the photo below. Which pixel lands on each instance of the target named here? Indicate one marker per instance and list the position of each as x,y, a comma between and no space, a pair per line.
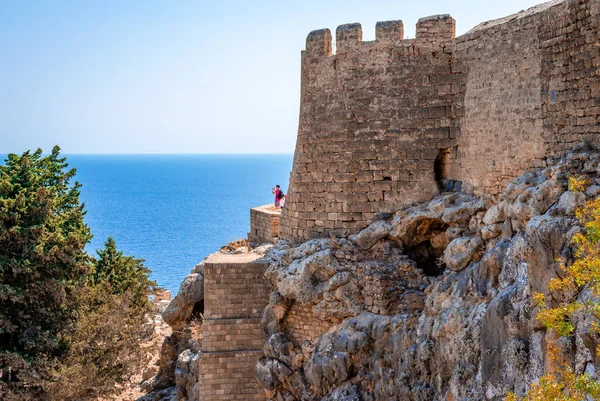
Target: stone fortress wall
532,90
264,224
373,119
232,336
395,121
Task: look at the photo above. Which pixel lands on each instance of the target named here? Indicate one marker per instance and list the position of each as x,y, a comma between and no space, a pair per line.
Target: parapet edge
318,42
267,209
539,8
389,31
437,17
436,28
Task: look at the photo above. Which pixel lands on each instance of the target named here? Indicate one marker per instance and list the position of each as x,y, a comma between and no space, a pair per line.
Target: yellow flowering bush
582,276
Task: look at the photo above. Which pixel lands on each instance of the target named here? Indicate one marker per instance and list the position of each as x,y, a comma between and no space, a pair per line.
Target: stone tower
373,119
394,121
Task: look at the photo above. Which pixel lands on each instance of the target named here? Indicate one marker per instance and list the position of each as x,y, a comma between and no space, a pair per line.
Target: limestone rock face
186,376
370,235
460,252
430,303
178,363
181,307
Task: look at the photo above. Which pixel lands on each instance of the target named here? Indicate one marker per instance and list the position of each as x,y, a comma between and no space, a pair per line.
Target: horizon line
160,154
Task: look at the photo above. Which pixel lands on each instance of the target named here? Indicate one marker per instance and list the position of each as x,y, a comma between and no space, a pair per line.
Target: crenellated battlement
434,30
348,37
389,31
318,43
393,121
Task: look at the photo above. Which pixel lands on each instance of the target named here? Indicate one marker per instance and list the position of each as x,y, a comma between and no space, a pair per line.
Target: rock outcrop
430,303
179,354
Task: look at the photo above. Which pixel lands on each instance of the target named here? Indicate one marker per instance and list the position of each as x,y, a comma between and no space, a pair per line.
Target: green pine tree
124,274
42,260
70,325
113,319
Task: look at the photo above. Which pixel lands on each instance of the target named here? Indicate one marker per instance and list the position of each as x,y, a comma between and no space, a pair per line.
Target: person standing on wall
279,195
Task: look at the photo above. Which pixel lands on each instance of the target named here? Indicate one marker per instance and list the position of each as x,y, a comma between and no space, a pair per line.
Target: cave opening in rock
427,258
198,311
427,244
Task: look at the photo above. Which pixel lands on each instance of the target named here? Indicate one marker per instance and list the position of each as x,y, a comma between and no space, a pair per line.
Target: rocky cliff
432,302
177,377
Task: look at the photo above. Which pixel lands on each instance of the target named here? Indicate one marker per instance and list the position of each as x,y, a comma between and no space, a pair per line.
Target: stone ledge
242,351
268,209
264,224
231,259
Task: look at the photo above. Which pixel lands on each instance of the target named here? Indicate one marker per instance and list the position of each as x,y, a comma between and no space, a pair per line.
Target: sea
174,210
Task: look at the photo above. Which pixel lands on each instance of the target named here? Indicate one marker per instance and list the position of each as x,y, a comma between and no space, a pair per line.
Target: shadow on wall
442,167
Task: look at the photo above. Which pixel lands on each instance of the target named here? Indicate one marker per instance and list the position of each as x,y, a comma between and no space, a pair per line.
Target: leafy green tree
124,274
113,319
70,324
42,261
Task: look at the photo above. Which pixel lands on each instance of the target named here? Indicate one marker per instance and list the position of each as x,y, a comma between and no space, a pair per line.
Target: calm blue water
173,210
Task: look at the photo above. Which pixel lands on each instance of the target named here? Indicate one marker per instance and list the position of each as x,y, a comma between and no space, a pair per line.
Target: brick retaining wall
232,336
302,325
264,224
229,376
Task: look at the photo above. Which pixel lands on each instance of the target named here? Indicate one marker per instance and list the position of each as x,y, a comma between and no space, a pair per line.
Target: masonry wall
569,35
373,119
264,224
228,376
394,121
232,336
302,325
501,131
531,91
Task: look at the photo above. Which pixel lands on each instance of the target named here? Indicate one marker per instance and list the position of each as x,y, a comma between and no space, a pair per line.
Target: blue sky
157,76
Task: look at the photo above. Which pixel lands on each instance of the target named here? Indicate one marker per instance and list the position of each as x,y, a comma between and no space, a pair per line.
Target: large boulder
569,202
413,228
304,279
373,233
547,239
175,364
461,251
181,307
495,214
186,376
